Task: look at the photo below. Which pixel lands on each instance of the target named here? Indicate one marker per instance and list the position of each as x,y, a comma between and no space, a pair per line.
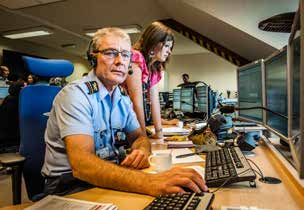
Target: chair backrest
34,105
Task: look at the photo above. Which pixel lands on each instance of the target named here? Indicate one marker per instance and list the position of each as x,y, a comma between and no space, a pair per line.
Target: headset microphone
130,72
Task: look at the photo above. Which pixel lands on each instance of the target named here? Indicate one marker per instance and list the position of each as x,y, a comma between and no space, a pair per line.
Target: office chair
34,105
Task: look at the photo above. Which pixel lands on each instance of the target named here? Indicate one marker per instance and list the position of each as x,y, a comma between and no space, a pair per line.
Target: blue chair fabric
35,103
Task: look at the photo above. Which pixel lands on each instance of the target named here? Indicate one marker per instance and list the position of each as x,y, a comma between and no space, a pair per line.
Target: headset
93,59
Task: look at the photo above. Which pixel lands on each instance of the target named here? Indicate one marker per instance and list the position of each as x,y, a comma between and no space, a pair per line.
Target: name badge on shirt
103,153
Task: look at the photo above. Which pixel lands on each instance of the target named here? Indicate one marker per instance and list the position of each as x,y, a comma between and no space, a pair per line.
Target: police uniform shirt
78,109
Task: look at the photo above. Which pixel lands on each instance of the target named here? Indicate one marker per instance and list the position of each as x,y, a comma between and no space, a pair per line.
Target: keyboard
182,201
228,166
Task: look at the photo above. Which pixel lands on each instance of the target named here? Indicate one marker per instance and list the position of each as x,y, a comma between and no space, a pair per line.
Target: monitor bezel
301,169
245,67
265,61
295,33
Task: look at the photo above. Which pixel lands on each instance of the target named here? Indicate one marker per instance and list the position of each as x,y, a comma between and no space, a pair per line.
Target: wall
207,67
80,64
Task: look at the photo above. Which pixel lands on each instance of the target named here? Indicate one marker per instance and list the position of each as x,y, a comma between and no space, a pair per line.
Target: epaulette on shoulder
123,91
92,86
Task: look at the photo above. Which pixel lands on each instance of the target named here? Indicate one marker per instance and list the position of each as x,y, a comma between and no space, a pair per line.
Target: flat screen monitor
176,99
296,111
249,80
187,99
205,99
295,86
276,92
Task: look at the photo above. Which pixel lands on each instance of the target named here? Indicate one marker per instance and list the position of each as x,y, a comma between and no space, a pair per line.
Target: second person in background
151,53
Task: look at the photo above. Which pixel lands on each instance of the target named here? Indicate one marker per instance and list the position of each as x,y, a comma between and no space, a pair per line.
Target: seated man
90,117
4,72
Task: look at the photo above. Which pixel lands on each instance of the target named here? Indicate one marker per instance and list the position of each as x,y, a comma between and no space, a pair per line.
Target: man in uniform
90,123
4,72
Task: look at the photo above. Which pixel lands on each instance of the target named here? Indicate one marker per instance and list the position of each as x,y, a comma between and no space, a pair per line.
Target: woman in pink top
150,55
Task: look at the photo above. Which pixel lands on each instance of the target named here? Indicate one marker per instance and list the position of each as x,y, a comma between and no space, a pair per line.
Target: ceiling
229,24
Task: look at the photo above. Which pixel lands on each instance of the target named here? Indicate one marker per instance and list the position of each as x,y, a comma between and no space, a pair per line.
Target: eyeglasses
113,53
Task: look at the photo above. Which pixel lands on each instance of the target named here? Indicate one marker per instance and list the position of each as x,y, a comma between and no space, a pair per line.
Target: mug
180,124
161,161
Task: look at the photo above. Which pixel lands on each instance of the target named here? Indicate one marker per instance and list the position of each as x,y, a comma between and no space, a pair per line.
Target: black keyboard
182,201
227,165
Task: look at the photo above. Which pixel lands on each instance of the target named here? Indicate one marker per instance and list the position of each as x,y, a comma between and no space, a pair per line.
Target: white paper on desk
180,144
175,152
173,130
52,202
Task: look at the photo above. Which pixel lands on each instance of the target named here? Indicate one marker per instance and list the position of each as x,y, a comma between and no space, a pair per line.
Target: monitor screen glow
276,91
250,91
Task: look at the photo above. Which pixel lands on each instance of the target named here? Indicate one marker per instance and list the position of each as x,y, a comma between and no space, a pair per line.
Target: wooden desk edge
289,170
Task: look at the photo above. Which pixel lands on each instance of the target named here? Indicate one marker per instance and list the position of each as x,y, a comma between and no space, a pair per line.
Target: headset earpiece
91,58
93,61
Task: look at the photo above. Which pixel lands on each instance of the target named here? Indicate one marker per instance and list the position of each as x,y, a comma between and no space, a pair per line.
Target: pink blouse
139,59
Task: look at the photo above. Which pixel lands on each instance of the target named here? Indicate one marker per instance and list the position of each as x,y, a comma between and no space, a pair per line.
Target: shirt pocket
99,137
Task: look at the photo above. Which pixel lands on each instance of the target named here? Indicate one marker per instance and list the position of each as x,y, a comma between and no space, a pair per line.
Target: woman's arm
154,97
134,86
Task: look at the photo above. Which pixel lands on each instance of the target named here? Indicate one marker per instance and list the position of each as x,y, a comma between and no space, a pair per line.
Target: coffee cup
161,161
180,124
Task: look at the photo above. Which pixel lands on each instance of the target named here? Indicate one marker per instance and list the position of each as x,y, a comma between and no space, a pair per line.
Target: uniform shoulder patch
123,91
92,86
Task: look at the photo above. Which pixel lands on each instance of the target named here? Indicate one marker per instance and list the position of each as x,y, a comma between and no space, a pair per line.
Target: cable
261,173
225,182
265,179
261,107
257,172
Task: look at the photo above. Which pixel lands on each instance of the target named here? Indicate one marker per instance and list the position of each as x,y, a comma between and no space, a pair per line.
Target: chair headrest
48,67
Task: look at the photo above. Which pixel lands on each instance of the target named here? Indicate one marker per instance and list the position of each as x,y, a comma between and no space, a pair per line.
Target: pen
186,155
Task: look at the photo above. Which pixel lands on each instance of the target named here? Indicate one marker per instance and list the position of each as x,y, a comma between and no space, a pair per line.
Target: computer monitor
276,93
296,95
176,99
187,99
249,83
205,99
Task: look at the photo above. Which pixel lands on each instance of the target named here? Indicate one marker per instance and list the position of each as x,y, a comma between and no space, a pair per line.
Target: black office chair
35,104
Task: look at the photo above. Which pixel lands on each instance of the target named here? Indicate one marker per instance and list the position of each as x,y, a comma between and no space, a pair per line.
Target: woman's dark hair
35,78
153,35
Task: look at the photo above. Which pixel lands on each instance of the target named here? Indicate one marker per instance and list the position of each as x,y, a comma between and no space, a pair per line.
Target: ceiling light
26,33
130,29
91,32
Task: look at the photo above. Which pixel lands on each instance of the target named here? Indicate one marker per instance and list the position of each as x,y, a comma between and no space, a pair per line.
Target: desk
282,196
